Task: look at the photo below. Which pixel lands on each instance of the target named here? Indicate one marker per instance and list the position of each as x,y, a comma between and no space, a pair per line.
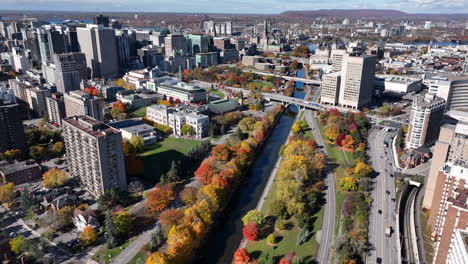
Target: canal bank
226,237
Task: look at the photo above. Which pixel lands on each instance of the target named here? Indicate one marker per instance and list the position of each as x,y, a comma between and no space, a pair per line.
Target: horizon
267,7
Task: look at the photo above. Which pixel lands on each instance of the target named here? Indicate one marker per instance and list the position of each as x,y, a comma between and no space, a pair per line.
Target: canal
226,239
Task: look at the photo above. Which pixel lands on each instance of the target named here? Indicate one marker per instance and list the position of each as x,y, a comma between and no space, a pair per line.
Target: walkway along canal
225,239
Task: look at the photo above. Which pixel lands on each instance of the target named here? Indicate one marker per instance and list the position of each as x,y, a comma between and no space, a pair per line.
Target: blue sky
235,6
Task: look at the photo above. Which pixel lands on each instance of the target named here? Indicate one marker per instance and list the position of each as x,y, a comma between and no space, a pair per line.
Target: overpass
289,78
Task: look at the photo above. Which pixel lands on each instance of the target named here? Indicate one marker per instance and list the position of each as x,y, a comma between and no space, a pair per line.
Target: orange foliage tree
250,231
159,198
241,256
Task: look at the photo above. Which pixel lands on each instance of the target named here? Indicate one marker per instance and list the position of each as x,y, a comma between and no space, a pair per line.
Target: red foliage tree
91,90
221,153
120,106
159,198
241,256
250,231
171,100
206,171
288,259
178,101
170,217
339,139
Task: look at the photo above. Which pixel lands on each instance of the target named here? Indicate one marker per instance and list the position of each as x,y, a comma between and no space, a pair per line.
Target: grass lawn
29,216
105,255
139,258
217,93
140,112
262,84
157,158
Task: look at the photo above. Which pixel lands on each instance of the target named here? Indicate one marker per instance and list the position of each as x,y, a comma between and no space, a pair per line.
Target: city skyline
236,7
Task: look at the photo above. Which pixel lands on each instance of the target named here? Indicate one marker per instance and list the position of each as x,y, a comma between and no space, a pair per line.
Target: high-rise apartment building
175,45
449,210
424,125
36,99
101,20
330,90
94,154
99,45
70,69
336,57
78,103
357,81
56,108
11,128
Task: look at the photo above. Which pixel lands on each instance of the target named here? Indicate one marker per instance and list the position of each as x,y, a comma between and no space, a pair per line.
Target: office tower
199,43
449,211
44,47
56,108
222,43
32,44
424,125
99,46
428,25
11,128
330,89
451,146
123,49
70,69
337,59
94,154
150,56
228,27
72,39
266,27
79,103
209,27
58,41
357,81
115,24
452,90
101,20
175,45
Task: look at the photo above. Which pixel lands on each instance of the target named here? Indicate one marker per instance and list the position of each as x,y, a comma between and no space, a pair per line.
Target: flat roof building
20,172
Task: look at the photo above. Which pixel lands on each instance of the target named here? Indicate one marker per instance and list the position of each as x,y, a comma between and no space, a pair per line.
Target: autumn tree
348,184
300,126
13,154
7,193
159,198
137,143
221,153
54,178
254,216
159,258
332,132
206,171
189,195
241,256
246,125
180,242
250,231
38,152
362,170
170,217
64,217
123,224
88,236
348,142
17,244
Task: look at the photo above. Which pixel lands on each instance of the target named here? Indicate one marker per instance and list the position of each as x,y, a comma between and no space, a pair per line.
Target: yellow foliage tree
348,184
181,240
158,258
54,178
332,132
7,193
294,168
88,236
212,195
362,170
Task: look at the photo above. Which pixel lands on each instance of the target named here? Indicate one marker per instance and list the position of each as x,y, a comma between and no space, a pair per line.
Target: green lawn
217,92
157,158
140,112
29,216
139,258
262,84
105,255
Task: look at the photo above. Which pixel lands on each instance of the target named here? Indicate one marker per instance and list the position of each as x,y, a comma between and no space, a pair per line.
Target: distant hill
348,13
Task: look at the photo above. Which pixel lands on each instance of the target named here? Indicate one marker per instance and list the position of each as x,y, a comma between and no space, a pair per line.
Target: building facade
78,103
56,108
330,90
70,69
95,154
11,128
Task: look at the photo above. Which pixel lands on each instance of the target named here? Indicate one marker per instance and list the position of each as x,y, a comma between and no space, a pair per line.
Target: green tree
254,216
173,175
137,142
18,244
38,152
300,127
123,224
110,230
187,130
108,200
348,184
58,147
27,202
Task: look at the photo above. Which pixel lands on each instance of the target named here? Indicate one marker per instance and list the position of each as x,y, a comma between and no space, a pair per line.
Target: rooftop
8,168
91,126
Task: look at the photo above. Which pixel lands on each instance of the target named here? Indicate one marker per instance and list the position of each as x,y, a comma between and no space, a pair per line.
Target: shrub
271,238
280,225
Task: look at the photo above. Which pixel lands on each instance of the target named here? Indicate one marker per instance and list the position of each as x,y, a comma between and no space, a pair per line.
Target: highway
383,194
328,226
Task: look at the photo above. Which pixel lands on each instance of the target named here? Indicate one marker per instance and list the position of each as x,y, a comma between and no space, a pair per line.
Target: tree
7,193
123,224
13,154
137,143
115,112
110,230
54,178
170,217
159,198
159,258
58,147
163,128
241,256
348,142
221,153
299,126
362,170
27,202
189,195
108,200
348,184
254,216
136,186
181,240
246,125
38,152
187,130
332,132
206,171
64,216
301,51
172,175
250,231
18,244
88,236
157,238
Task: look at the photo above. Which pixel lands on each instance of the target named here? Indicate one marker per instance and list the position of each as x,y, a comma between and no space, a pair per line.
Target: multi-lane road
383,195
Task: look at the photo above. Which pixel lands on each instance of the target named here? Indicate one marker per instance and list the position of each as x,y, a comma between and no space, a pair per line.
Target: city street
383,194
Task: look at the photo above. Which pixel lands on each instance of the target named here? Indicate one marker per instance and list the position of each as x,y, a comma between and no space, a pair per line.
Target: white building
182,91
330,89
398,84
458,254
137,78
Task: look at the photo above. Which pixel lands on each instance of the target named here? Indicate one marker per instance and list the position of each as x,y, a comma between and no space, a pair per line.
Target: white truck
388,230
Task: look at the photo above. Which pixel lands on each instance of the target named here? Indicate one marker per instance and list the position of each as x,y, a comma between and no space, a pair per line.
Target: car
387,192
379,260
392,199
380,211
13,234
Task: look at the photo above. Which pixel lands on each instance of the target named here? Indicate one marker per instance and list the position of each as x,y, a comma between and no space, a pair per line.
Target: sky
235,6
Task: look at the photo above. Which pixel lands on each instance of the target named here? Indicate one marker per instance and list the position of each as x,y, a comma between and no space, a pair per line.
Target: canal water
226,239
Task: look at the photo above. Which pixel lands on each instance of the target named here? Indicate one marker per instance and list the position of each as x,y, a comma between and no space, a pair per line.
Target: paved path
329,208
134,247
